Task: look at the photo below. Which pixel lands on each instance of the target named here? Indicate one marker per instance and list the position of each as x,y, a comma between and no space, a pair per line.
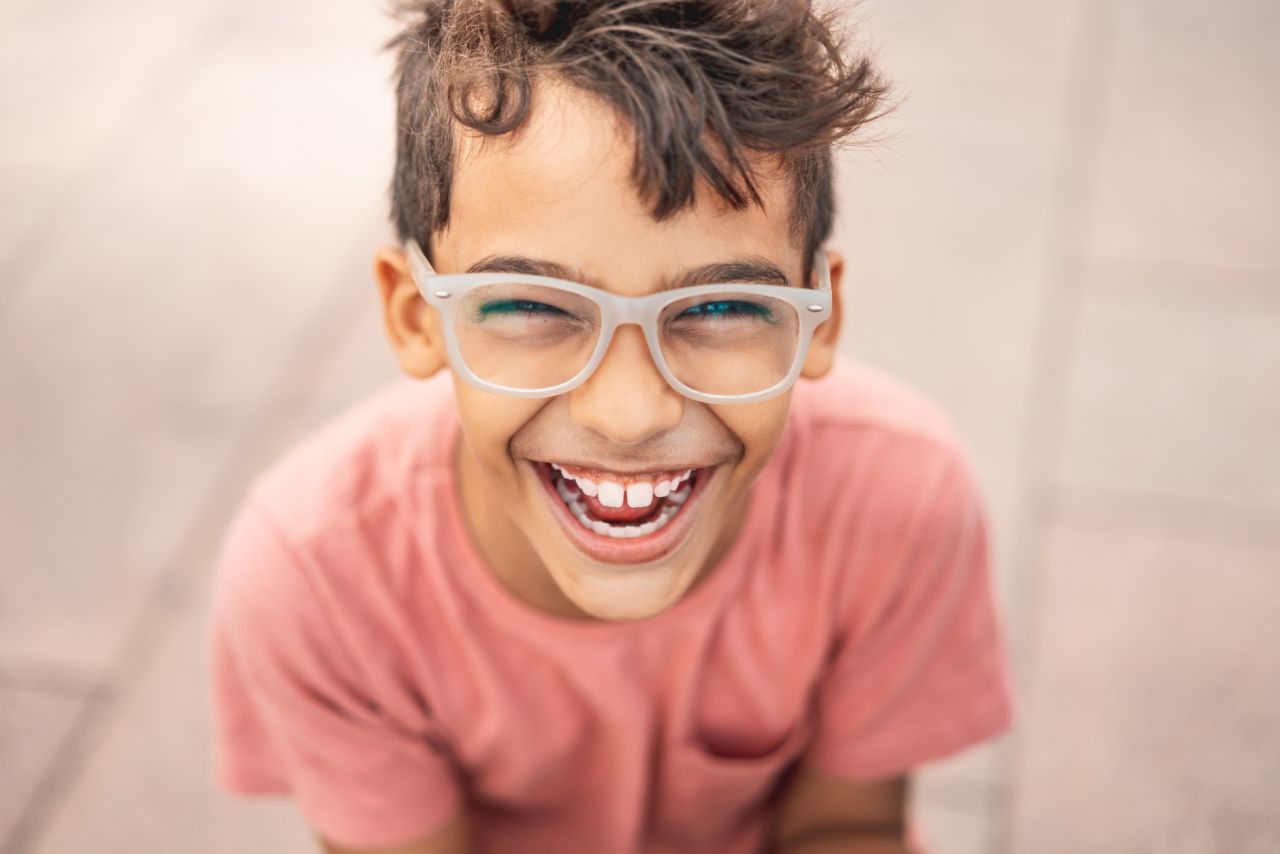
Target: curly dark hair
700,82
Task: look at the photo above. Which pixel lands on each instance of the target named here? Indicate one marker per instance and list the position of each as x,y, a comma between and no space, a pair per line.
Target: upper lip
596,468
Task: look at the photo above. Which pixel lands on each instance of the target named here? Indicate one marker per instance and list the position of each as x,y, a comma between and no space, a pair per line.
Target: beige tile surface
168,311
1152,723
358,361
968,778
1177,395
351,32
34,724
158,742
29,193
147,785
80,74
1186,169
949,828
991,37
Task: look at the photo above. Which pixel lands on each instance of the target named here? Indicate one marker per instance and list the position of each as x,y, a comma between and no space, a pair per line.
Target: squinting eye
728,308
516,306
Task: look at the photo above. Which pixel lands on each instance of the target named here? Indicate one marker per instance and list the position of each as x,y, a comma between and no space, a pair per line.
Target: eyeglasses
534,336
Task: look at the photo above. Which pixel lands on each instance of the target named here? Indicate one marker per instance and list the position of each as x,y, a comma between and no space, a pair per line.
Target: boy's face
559,190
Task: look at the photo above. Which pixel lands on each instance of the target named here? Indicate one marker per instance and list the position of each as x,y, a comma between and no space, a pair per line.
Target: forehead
561,188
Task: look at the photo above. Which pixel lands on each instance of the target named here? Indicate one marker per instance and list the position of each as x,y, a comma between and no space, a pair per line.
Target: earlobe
826,338
413,327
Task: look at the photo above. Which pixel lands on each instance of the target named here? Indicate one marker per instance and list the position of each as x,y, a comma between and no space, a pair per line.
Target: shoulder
863,436
296,560
368,453
858,396
887,484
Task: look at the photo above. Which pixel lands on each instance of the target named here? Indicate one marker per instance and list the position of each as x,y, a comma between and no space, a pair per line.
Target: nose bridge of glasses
632,310
614,332
636,311
620,311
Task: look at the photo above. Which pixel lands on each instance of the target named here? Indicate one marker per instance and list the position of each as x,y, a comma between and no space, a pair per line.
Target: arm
918,673
821,814
452,838
297,712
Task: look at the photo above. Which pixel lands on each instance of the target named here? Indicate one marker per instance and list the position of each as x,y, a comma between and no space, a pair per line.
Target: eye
507,307
729,309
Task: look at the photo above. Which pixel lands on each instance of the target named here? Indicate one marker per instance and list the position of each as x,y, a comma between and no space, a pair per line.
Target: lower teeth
623,532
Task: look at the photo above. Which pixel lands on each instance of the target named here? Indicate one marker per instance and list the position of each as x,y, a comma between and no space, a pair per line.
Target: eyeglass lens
533,337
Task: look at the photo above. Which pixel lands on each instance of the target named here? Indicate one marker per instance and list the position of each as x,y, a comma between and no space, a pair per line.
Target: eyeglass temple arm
418,259
823,268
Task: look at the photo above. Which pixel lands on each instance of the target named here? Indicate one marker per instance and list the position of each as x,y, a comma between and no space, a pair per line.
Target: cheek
489,421
758,426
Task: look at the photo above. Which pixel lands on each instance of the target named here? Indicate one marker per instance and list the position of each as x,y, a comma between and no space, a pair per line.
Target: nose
626,399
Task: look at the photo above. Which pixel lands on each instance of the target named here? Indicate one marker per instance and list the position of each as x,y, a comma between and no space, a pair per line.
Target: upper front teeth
610,494
638,493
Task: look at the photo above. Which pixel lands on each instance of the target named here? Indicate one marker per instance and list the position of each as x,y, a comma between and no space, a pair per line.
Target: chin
615,597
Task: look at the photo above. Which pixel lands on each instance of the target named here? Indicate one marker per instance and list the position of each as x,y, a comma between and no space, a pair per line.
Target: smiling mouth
622,512
624,520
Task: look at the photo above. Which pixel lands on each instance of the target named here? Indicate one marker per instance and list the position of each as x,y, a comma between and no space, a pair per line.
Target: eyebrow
755,270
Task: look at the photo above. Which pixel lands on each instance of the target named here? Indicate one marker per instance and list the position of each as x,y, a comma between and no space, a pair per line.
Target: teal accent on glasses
731,308
515,306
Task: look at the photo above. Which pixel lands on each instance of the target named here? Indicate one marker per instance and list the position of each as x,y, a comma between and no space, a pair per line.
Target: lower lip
633,550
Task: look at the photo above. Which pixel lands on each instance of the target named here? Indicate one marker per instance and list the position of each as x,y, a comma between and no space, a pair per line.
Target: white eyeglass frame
445,290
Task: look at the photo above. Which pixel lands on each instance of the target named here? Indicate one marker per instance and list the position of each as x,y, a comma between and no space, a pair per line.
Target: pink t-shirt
365,661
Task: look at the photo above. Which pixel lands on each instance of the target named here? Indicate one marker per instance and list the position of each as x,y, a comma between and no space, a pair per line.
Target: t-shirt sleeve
924,673
292,714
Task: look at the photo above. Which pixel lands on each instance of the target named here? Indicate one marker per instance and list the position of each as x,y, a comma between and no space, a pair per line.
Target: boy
639,564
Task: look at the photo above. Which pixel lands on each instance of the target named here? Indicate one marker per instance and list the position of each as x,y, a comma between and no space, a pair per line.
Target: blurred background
1067,236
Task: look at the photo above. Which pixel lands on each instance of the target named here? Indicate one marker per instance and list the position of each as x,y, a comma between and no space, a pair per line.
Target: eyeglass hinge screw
814,307
443,294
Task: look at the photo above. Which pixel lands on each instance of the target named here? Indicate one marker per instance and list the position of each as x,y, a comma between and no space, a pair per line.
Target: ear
822,349
414,328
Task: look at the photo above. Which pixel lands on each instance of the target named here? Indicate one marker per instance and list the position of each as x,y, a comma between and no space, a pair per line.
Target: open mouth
624,520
